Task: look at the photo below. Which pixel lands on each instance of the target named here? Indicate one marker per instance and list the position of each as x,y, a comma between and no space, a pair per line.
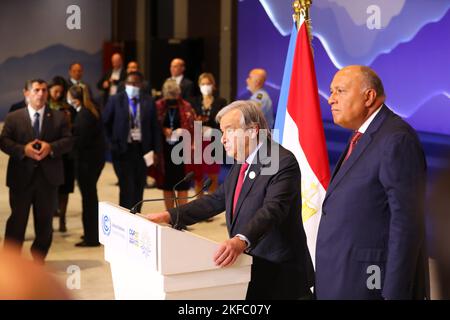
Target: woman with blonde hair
206,106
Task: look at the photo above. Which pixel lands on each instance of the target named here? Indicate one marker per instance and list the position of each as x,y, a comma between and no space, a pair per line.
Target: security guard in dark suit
34,137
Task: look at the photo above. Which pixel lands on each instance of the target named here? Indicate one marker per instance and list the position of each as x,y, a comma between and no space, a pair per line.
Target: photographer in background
34,137
110,81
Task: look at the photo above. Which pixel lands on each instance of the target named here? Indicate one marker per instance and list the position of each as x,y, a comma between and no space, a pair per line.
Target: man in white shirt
76,77
110,81
177,68
35,138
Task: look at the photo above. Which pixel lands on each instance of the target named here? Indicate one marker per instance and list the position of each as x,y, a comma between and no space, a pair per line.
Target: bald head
366,77
256,79
177,67
132,66
116,61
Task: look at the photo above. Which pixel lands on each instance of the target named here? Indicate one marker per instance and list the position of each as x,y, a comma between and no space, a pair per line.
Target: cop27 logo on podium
106,225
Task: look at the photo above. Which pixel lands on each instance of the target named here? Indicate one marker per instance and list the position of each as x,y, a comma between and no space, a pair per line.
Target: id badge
136,134
172,139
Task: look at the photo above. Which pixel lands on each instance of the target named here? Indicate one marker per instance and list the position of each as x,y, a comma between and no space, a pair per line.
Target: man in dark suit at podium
371,239
262,200
35,138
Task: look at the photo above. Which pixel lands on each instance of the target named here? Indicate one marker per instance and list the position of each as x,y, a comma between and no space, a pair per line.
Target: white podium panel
149,261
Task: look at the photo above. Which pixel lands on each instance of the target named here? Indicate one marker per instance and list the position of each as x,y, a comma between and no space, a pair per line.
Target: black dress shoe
87,244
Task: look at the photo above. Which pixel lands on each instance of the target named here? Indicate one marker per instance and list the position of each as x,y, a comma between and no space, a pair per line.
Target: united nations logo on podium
106,225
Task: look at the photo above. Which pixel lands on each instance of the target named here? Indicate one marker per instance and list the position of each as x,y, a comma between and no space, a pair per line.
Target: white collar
366,124
252,156
178,79
32,111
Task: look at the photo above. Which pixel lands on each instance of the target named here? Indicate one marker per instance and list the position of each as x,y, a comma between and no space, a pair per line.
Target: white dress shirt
31,113
178,79
366,124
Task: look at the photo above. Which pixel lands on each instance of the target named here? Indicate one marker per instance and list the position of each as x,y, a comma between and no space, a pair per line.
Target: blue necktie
36,125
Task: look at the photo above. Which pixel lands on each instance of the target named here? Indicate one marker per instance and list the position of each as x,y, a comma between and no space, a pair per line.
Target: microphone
187,177
206,184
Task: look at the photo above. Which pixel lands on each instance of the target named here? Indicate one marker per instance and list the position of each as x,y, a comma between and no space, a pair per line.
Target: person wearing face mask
206,107
133,66
132,130
174,116
89,156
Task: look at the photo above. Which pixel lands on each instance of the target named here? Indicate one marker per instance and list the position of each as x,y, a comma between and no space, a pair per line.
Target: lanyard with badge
174,136
135,111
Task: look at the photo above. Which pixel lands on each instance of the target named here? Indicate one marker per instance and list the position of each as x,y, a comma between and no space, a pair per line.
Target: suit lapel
231,186
342,168
246,187
26,119
261,159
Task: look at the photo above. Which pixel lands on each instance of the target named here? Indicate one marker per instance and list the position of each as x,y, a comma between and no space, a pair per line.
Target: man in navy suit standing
261,198
133,131
371,240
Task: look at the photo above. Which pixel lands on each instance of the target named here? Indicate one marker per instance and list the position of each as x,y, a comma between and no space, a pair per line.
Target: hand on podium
229,251
159,217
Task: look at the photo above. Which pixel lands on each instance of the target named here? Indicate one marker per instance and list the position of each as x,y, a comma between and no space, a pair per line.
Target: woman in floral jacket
176,119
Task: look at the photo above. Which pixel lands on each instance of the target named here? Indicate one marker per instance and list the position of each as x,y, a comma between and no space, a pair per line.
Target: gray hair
171,89
251,114
372,81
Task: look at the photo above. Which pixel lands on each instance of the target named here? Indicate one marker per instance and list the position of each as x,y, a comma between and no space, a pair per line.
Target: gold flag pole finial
301,8
296,5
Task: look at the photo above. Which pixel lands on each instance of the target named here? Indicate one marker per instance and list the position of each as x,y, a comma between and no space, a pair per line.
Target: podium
150,261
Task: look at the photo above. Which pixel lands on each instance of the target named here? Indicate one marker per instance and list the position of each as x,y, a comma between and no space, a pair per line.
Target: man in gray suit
34,137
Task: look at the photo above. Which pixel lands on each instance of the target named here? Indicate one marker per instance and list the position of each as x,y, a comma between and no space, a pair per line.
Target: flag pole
301,8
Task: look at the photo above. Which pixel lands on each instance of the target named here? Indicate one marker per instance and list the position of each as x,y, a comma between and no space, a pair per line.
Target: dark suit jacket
88,87
17,106
373,216
89,137
17,132
268,213
106,76
187,88
116,119
216,106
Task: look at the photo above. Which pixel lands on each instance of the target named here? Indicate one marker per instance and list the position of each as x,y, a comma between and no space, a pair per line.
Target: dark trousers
276,281
88,172
132,174
41,195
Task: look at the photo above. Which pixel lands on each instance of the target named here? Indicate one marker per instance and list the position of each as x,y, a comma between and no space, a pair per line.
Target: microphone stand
176,225
186,178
